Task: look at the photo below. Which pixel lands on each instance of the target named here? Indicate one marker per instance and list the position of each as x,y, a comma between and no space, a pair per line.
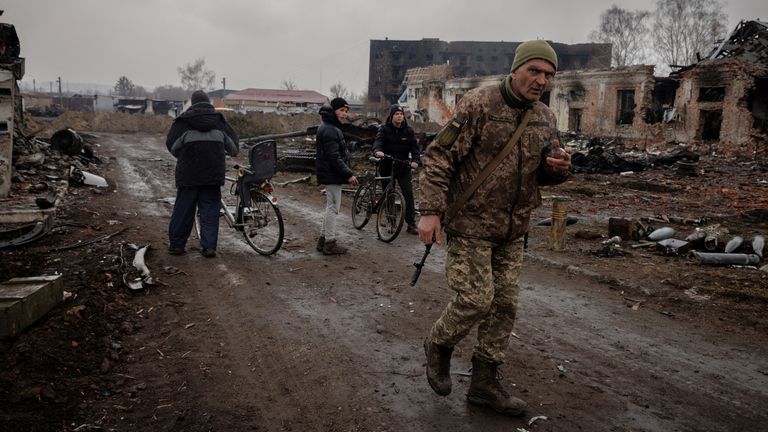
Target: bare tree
288,84
195,76
339,90
171,92
684,28
124,86
626,31
140,91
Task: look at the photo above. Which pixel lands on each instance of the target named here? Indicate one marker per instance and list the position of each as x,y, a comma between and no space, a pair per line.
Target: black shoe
412,229
320,244
176,251
208,253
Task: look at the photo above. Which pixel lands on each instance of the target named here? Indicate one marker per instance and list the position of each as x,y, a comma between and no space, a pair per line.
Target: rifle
471,189
419,265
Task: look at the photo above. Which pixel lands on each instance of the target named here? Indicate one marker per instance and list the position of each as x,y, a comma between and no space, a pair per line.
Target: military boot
485,389
320,244
438,367
332,248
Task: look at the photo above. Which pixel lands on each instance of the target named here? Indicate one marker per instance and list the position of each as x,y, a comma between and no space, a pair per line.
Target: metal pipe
727,259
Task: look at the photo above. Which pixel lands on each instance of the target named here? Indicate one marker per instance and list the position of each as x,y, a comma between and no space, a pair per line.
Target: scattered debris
569,220
587,235
609,251
130,279
67,141
47,202
733,244
298,180
611,241
726,259
758,243
98,239
79,177
673,246
25,233
535,419
661,234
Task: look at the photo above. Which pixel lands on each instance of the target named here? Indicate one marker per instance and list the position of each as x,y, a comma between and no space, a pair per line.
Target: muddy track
299,341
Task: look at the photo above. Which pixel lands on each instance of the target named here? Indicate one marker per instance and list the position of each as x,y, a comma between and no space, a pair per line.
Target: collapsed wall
721,108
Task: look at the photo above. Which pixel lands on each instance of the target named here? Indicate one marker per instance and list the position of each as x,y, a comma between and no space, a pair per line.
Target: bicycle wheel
362,205
263,224
389,220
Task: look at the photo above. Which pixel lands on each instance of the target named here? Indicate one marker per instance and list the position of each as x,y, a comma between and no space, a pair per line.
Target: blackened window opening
711,94
709,124
758,105
626,107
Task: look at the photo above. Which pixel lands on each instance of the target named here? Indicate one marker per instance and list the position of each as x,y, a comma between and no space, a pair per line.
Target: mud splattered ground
299,341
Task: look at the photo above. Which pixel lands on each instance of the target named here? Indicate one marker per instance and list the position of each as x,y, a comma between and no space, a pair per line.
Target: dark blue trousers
206,200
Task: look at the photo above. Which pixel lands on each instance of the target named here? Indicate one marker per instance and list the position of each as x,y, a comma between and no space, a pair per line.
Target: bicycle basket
263,160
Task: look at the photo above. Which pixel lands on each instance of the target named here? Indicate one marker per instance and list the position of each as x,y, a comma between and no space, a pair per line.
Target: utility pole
61,98
224,83
34,88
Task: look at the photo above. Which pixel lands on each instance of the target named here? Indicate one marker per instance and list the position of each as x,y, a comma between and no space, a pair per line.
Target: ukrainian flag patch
457,122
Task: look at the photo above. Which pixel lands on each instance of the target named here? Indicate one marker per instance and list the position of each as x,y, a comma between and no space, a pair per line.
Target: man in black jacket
199,139
332,168
395,138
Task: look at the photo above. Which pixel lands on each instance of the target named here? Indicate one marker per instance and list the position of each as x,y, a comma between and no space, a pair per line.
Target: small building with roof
279,101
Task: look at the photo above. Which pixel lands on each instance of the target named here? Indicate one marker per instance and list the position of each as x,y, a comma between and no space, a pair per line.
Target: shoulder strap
459,203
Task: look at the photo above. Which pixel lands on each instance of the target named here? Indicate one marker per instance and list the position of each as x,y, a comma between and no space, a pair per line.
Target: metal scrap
726,259
79,177
97,239
25,234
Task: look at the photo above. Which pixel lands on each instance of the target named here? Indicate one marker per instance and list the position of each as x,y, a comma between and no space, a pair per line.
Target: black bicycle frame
390,184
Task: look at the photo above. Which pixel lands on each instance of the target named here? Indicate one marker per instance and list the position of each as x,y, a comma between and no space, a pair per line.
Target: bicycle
386,202
256,213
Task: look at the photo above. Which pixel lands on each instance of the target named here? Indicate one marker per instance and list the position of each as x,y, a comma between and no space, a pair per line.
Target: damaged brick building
390,59
718,105
11,70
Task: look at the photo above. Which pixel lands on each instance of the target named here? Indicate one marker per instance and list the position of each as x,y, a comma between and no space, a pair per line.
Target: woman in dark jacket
332,169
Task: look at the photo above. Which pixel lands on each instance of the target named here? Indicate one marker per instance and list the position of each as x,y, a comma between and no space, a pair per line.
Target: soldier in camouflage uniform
485,247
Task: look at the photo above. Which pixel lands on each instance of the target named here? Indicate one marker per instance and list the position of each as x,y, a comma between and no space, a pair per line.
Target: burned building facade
11,70
723,105
604,102
716,106
390,59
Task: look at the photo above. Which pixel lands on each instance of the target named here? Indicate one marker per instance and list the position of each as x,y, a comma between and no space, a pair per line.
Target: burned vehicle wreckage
296,150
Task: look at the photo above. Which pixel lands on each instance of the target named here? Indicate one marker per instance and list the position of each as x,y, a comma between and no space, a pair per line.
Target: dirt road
304,342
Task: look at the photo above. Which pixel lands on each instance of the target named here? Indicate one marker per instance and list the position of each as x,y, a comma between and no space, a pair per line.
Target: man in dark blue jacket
332,168
395,138
200,139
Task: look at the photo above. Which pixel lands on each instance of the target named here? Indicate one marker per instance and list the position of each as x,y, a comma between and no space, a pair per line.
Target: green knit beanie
535,49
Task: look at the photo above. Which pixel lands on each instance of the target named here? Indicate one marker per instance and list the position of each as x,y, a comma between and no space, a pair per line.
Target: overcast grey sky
258,43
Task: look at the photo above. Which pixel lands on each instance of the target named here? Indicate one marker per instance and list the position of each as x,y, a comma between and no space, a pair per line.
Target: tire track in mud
334,343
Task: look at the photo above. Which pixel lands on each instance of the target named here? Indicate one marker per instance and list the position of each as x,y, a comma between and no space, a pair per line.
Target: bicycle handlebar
374,159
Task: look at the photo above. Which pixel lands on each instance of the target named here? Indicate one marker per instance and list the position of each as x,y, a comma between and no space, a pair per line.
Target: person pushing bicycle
395,138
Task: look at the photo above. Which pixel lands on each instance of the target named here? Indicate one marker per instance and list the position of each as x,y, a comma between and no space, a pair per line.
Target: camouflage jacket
500,208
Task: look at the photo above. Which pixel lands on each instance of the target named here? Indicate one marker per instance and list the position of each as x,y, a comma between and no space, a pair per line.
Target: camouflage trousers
486,279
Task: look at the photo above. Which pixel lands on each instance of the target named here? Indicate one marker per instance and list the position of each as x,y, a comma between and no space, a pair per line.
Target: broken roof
748,42
439,72
268,95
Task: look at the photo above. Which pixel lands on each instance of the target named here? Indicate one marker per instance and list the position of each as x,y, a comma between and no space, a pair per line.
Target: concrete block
24,300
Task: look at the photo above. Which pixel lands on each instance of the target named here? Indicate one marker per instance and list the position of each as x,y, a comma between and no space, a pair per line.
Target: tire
362,205
389,220
263,224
